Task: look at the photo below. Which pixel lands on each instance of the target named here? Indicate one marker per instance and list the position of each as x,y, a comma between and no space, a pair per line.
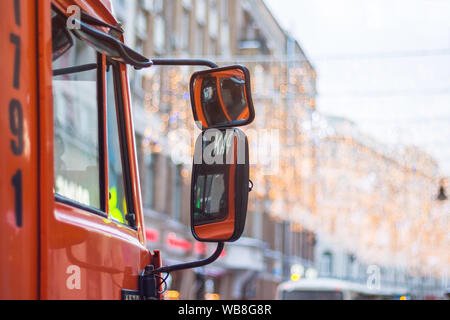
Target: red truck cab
71,217
71,223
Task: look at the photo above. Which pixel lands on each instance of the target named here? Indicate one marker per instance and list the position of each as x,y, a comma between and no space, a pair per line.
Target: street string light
376,202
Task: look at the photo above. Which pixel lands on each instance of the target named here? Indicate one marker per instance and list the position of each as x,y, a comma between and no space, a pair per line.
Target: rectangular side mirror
220,186
221,98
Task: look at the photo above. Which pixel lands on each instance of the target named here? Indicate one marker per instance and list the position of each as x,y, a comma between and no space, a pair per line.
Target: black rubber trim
101,131
61,199
96,22
120,109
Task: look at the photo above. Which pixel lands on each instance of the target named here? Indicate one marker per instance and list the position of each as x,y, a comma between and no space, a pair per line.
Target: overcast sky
383,63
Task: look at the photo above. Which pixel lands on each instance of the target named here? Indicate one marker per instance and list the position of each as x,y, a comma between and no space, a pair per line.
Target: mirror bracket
191,265
184,62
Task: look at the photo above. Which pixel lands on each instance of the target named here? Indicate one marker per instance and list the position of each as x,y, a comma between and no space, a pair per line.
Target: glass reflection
221,98
210,199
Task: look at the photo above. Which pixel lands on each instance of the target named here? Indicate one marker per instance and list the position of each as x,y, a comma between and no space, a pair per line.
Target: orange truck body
51,250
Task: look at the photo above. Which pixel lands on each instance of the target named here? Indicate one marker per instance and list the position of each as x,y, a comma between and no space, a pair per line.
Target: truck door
92,239
19,192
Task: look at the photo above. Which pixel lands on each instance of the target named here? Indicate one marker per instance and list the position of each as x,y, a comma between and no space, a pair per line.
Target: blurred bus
334,289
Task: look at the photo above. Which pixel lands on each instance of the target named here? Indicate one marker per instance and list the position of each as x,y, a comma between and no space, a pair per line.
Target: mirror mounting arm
184,62
195,264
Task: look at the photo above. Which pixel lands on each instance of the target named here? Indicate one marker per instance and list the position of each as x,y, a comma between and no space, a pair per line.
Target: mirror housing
61,39
220,185
110,46
221,97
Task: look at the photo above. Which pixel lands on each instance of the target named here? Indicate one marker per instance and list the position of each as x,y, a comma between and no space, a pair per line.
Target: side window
117,196
76,118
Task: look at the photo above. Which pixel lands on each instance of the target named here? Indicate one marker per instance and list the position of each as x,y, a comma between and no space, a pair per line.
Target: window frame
102,63
101,147
123,142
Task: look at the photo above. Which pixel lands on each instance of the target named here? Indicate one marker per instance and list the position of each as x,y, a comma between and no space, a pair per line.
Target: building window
224,10
279,236
185,30
201,11
257,225
350,266
177,185
199,42
212,47
268,231
213,22
141,24
159,28
326,264
149,183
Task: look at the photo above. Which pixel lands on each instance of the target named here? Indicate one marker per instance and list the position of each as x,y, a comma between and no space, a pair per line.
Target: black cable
164,280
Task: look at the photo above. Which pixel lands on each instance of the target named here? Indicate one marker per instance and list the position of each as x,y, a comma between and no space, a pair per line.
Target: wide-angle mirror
221,98
220,185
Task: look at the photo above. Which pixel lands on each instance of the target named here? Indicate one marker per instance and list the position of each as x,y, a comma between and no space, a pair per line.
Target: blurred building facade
221,30
312,175
391,194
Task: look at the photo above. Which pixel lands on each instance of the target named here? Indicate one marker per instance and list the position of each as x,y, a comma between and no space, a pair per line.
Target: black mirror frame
248,88
242,181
